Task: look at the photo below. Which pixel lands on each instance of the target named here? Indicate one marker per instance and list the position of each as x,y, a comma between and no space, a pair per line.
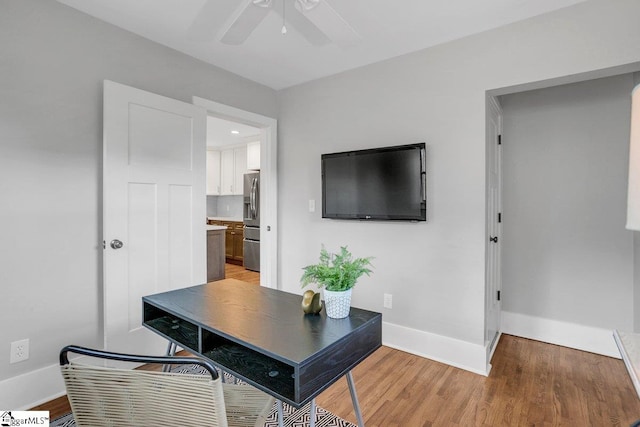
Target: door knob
116,244
493,239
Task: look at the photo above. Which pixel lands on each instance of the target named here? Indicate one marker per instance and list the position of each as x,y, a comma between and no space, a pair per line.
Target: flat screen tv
386,183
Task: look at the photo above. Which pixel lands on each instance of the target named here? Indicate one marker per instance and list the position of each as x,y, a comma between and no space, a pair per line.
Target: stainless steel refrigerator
251,218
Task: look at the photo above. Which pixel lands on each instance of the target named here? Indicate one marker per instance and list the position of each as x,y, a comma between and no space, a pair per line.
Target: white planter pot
337,303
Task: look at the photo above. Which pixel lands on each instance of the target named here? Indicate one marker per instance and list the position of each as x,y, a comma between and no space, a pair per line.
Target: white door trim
493,272
268,182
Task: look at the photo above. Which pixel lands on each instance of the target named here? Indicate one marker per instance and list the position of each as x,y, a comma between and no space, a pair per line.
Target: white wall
434,270
567,256
53,61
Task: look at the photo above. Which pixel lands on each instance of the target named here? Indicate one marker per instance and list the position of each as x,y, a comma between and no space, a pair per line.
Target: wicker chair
105,396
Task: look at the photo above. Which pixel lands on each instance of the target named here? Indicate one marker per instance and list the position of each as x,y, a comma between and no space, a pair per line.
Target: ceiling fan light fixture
262,3
284,27
306,5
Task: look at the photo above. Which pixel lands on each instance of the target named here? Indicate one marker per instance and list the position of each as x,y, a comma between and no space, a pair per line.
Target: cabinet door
240,164
228,243
253,155
227,177
213,172
238,242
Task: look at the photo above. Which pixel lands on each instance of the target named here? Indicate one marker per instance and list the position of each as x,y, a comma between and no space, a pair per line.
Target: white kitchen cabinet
253,155
213,173
227,178
233,166
240,164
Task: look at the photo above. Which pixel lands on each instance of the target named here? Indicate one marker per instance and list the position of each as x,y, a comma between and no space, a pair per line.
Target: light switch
312,205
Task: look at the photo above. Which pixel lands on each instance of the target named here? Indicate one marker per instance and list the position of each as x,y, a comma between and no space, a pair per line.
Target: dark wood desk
262,336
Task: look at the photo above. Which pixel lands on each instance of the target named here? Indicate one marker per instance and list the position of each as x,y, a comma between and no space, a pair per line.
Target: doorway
493,242
267,127
233,156
568,261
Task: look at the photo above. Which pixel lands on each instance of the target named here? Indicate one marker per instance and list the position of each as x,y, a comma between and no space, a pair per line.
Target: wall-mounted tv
386,183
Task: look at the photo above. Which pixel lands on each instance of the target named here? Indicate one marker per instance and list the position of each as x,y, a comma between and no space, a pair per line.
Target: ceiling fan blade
305,27
210,19
244,20
329,21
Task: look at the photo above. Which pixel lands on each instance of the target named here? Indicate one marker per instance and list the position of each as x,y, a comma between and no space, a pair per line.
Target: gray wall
434,270
53,61
566,253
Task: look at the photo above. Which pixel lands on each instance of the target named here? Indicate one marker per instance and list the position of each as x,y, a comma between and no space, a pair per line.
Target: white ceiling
219,132
385,29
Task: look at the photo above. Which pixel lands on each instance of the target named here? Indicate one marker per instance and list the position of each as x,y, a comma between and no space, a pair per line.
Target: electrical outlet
19,351
388,301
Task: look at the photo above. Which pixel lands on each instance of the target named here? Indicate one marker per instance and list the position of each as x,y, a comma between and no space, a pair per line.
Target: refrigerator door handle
254,190
251,197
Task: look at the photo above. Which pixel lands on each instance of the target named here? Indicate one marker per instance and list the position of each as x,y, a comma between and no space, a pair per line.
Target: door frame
493,113
268,182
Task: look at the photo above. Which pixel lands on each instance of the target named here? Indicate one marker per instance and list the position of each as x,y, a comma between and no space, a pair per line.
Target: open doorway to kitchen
244,196
233,170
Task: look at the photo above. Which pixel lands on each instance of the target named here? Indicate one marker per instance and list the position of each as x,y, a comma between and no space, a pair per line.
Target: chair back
102,396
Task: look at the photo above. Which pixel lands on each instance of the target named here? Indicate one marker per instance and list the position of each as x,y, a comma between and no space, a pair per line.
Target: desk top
230,315
265,319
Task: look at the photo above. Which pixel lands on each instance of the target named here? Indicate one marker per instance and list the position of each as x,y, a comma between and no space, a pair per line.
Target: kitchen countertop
215,227
225,218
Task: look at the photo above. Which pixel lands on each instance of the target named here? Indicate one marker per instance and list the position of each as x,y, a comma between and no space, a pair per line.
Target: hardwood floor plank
531,383
233,271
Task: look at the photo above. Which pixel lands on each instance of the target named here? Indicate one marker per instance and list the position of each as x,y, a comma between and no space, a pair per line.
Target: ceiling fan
232,22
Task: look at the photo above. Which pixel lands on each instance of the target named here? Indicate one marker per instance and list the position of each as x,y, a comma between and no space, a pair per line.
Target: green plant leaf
336,272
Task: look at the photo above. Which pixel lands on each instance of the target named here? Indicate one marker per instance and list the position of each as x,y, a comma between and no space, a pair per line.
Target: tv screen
386,183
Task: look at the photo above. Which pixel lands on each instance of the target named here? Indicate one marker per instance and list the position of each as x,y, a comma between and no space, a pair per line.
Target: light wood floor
232,271
531,384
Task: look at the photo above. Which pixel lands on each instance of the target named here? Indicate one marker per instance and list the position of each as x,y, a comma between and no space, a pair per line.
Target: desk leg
280,414
171,351
354,399
312,413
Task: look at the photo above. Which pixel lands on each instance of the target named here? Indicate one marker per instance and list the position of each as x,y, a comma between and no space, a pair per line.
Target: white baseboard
31,389
451,351
566,334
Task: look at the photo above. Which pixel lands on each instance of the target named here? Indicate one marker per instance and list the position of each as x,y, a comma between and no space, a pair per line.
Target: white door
154,204
494,225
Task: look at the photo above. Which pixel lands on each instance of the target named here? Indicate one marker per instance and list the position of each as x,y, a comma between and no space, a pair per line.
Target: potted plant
337,275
